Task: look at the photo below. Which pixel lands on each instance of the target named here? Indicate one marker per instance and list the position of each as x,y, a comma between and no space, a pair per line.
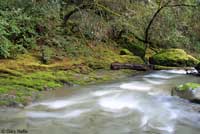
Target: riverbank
22,79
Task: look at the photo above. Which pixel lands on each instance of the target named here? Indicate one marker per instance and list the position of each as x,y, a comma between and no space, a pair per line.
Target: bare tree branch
167,5
81,7
92,6
183,5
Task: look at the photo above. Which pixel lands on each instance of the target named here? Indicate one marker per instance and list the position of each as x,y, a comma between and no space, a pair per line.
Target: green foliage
174,27
17,33
74,47
5,48
18,21
46,54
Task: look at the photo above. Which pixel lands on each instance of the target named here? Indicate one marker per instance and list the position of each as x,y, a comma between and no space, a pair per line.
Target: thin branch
183,5
152,20
166,5
81,7
108,10
89,6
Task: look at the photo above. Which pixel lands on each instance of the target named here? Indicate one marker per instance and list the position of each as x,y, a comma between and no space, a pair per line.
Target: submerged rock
173,57
189,91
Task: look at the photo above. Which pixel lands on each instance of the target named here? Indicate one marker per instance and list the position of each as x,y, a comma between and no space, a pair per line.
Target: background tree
155,21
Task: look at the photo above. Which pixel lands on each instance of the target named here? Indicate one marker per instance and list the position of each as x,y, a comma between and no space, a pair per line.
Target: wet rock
20,105
16,104
189,91
196,108
10,101
66,83
193,72
47,89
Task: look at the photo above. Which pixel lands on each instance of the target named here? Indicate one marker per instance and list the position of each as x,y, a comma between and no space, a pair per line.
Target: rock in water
189,91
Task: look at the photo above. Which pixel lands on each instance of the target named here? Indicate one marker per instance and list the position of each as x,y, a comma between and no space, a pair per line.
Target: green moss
173,57
192,61
32,82
3,90
188,86
106,57
100,64
135,47
26,87
10,72
44,75
130,59
125,52
25,76
37,84
149,53
158,67
4,103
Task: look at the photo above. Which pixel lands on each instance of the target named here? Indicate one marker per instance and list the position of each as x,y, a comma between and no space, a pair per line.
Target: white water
138,105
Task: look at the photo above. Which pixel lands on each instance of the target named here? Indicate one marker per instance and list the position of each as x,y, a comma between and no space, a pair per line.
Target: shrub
5,48
47,54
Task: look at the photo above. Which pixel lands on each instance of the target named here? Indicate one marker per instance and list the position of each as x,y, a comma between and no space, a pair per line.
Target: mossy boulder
125,52
173,57
189,91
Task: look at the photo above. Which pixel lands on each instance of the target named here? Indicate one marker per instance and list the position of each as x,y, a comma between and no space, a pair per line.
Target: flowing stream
138,105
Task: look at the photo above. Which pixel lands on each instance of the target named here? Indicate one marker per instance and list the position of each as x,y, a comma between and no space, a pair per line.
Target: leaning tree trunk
147,41
146,38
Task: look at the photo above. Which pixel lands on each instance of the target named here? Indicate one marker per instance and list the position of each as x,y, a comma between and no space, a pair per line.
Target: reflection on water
138,105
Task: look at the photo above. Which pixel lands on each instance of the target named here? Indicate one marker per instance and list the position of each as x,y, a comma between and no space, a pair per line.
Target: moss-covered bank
22,79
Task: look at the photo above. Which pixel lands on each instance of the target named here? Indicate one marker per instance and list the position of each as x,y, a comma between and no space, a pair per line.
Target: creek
140,104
